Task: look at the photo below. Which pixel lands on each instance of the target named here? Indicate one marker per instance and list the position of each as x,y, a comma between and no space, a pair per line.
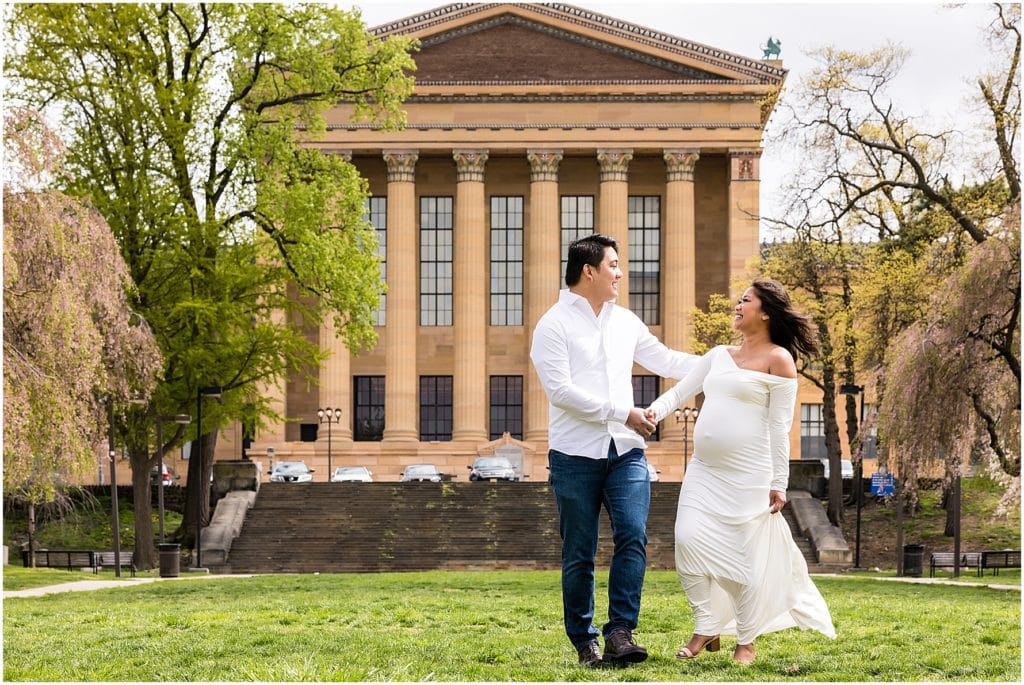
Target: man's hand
650,415
776,500
639,422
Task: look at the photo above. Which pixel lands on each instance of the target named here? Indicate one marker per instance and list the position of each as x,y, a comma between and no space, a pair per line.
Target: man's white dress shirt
585,364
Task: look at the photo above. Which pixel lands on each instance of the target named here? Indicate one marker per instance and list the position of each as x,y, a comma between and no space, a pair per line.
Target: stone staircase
366,527
804,544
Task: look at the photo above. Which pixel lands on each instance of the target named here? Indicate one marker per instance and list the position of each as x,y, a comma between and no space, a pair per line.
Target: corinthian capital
614,163
401,165
469,164
544,164
680,164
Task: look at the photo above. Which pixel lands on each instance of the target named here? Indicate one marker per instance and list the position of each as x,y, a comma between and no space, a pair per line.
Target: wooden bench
946,559
1002,559
69,559
106,560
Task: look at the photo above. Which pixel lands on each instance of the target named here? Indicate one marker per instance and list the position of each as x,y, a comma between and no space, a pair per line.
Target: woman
736,559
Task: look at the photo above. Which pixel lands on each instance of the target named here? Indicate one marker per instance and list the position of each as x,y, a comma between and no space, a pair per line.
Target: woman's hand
776,500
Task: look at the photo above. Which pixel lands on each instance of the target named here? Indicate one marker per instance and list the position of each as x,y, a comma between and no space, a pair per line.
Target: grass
483,626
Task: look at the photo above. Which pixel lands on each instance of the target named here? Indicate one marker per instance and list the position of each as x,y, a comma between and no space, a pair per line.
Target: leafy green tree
186,126
714,326
71,340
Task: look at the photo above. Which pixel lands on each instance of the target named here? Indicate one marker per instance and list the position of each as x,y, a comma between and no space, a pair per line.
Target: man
583,349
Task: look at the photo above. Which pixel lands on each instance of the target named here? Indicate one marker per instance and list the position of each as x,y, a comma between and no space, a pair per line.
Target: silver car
352,474
291,472
654,473
420,473
492,468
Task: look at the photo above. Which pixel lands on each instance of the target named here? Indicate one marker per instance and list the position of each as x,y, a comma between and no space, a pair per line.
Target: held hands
640,421
776,500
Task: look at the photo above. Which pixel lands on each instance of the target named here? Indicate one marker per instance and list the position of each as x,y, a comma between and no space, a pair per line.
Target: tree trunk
31,535
142,500
200,468
832,445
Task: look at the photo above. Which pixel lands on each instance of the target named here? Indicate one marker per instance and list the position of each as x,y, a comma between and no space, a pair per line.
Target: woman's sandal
710,643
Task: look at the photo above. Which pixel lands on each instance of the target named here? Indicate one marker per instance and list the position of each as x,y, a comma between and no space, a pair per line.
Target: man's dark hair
586,250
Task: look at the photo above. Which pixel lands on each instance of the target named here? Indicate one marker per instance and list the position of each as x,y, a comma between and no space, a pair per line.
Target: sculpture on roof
773,49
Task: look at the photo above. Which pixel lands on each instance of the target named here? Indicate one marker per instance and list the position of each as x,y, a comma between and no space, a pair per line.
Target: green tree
71,340
186,126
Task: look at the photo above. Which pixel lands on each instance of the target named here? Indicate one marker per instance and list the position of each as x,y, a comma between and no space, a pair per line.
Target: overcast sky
945,42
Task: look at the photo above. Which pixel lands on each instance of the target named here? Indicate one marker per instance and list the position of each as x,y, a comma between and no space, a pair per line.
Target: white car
846,468
655,477
291,472
352,474
420,473
492,468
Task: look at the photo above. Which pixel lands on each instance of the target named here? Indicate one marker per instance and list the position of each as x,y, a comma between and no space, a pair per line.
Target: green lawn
482,626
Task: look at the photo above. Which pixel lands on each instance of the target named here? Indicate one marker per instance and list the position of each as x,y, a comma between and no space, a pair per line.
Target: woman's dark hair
786,326
586,250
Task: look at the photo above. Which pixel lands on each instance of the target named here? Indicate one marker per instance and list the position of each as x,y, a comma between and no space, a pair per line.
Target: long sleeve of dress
781,403
689,386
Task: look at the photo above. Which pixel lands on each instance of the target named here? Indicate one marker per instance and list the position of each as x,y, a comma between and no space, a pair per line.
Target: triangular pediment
511,49
558,43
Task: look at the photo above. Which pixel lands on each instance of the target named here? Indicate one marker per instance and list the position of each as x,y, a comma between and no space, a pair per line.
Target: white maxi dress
737,561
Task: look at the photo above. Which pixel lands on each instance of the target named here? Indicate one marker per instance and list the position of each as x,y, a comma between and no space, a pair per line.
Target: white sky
947,51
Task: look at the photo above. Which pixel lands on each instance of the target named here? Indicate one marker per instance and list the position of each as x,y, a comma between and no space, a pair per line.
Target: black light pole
114,516
858,468
329,416
956,523
176,418
686,413
214,391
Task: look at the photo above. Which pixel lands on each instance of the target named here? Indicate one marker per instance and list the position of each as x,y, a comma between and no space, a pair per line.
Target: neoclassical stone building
530,125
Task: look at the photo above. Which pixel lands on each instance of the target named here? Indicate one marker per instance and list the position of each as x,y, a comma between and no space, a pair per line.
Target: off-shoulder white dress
742,572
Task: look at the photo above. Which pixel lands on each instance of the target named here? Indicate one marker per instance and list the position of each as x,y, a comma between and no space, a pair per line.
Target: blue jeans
582,485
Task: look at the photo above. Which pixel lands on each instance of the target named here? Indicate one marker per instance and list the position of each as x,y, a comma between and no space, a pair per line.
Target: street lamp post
214,391
685,415
858,468
329,416
115,515
176,418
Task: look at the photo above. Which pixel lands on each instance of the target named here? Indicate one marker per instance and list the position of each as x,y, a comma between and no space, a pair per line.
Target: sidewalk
85,585
927,581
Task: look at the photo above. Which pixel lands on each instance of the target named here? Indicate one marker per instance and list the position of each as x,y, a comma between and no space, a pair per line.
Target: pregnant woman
736,559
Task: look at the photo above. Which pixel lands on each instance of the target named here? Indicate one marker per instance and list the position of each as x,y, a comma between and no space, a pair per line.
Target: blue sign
883,484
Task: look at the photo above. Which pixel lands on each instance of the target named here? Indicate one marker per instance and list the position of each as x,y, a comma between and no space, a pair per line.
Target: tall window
506,261
368,421
435,408
645,391
377,215
435,261
645,257
506,406
577,221
812,432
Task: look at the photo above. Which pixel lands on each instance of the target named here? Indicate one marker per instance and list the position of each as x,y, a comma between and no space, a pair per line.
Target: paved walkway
927,581
85,585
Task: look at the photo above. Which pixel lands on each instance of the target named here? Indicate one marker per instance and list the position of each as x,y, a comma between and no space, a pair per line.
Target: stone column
335,375
400,380
543,261
469,386
612,213
273,436
744,208
678,239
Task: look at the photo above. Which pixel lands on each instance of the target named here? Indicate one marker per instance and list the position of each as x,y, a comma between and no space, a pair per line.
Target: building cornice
543,126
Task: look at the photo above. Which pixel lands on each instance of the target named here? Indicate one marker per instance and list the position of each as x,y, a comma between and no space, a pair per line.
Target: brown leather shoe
619,647
590,655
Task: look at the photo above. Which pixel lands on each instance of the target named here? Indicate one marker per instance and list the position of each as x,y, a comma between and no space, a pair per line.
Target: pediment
511,49
544,43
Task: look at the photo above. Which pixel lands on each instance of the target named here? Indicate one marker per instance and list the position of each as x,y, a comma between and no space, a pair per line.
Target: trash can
170,559
913,560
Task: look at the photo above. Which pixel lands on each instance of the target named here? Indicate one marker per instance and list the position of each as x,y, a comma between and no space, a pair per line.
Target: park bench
1002,559
69,559
946,559
106,559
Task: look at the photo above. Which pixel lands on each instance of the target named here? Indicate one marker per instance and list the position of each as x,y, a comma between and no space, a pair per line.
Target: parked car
846,468
168,476
492,468
654,473
291,472
420,473
352,474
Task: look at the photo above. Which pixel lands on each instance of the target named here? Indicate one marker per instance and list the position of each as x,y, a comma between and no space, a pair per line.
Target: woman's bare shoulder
780,363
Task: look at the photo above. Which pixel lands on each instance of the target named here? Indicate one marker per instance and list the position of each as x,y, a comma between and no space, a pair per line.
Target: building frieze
566,126
561,97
